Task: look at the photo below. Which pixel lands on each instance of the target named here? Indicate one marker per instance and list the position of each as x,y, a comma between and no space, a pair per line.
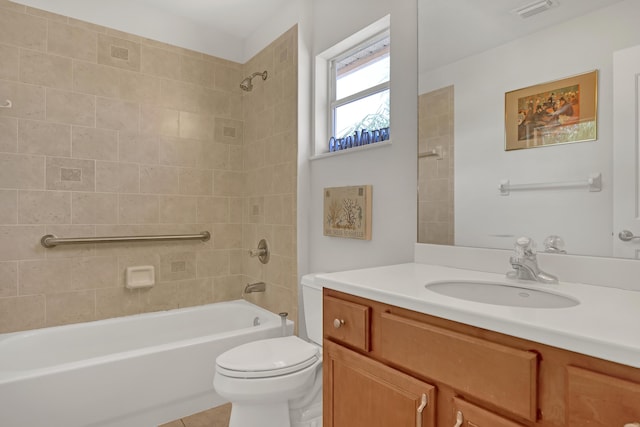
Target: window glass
374,73
368,113
360,88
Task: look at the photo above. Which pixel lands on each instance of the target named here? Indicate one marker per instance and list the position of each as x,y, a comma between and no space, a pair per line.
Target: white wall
293,13
392,170
305,88
583,219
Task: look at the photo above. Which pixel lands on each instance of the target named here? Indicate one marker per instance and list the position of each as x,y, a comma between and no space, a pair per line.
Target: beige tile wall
114,134
435,177
270,156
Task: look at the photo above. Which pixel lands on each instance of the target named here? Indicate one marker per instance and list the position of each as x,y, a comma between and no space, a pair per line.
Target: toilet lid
268,358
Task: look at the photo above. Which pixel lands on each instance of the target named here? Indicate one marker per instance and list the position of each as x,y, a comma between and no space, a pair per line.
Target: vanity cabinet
366,393
469,415
362,391
506,376
379,361
347,321
598,400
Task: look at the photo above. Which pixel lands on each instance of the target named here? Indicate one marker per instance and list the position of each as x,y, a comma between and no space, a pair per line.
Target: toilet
277,382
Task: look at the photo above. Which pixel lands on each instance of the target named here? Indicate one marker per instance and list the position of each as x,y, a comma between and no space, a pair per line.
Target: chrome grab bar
51,240
593,183
627,236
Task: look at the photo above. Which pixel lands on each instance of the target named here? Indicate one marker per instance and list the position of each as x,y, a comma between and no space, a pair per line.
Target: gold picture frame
347,212
558,112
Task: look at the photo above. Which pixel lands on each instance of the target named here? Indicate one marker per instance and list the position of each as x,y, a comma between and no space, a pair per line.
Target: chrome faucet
254,287
525,263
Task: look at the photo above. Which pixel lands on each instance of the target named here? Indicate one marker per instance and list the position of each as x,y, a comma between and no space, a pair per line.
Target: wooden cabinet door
598,400
360,392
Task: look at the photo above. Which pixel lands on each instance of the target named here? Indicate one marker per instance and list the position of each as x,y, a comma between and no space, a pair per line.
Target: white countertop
606,323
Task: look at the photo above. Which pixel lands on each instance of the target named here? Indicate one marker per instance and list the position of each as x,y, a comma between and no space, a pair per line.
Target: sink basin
501,294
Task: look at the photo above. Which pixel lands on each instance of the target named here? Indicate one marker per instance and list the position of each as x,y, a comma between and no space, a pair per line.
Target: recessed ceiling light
534,8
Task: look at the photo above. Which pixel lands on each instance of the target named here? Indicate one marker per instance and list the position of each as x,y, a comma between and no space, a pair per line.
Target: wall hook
7,104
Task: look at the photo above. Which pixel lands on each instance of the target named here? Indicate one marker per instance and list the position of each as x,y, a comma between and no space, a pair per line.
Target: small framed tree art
347,212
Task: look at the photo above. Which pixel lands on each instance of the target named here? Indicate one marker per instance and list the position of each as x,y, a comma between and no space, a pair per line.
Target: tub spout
255,287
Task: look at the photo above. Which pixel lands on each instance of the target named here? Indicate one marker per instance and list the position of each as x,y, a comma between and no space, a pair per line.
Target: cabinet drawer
503,376
474,416
347,322
599,400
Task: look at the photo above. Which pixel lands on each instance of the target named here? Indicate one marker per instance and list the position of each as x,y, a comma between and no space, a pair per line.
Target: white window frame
321,119
332,83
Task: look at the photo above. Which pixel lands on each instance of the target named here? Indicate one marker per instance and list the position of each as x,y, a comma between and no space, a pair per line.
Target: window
359,78
351,91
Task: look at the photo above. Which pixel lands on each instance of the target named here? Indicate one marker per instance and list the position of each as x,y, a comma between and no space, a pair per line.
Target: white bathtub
135,371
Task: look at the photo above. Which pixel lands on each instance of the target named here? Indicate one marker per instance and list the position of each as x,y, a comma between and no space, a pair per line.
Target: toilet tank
312,301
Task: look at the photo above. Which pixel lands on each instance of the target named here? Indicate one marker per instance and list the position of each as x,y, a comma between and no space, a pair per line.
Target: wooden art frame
558,112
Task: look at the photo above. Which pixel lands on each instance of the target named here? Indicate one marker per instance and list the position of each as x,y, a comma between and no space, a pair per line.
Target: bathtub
136,371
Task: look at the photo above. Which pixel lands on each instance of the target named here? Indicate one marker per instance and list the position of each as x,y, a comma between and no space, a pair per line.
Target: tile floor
215,417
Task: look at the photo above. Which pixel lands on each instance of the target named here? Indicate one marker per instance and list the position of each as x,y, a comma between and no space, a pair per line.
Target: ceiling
450,30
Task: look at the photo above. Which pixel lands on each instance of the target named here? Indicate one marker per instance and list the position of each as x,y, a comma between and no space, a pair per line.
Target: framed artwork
558,112
347,212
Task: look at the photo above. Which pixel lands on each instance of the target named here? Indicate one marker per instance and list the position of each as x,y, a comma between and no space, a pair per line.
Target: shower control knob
337,323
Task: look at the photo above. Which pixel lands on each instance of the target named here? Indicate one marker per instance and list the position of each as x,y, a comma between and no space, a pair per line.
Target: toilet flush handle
337,323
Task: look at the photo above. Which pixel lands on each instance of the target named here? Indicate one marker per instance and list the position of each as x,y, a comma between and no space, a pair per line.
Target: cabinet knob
337,323
459,419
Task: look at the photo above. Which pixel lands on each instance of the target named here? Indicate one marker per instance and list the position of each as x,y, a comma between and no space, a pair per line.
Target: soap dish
141,276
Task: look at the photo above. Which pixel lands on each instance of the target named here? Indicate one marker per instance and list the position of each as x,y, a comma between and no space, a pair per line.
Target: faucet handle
524,246
554,244
262,252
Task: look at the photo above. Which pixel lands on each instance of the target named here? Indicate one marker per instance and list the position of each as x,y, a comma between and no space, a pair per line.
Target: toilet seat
268,358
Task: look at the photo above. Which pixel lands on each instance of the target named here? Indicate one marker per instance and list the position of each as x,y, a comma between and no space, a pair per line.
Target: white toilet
277,382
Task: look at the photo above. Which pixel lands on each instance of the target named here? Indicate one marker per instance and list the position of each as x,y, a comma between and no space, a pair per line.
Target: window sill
352,150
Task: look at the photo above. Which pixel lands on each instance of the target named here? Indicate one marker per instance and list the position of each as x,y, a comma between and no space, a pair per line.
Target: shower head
246,84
